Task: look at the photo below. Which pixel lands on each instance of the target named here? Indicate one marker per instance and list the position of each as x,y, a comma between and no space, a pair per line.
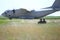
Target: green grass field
20,29
52,17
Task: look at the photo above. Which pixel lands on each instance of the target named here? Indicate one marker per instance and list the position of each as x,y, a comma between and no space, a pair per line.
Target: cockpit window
13,11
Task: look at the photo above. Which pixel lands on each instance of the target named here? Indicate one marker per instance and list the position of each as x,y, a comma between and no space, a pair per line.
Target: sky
27,4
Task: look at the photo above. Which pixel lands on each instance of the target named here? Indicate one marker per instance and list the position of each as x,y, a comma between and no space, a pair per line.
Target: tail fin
56,4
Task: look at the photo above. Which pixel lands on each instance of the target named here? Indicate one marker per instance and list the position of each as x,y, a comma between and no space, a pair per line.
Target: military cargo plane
25,14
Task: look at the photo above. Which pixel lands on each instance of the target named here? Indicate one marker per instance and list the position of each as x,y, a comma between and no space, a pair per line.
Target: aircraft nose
3,14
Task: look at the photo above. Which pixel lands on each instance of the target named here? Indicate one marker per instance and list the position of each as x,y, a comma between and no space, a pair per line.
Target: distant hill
52,17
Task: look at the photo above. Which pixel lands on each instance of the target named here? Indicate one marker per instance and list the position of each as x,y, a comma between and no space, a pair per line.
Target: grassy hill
52,17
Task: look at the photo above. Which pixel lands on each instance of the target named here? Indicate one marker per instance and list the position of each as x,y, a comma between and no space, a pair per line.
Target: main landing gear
42,21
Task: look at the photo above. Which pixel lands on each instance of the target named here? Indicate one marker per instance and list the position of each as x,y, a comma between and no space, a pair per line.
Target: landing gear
42,21
10,18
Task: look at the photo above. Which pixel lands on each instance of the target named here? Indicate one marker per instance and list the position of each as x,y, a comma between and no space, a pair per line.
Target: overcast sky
27,4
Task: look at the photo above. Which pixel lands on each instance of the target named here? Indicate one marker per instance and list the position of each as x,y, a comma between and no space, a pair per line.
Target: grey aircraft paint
18,13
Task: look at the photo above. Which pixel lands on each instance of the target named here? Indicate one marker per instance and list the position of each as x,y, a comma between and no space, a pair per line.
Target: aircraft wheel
10,18
42,21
